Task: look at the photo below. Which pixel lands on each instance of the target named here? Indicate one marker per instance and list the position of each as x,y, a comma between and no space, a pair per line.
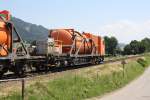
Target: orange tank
66,36
98,41
5,35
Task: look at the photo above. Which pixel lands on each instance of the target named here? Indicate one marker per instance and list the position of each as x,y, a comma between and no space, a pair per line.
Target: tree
107,43
142,48
127,50
111,45
135,47
146,43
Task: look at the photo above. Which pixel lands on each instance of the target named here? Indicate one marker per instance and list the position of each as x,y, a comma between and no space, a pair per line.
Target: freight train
62,47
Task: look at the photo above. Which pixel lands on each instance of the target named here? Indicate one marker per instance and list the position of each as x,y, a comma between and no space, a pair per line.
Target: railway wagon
62,47
76,48
67,47
13,53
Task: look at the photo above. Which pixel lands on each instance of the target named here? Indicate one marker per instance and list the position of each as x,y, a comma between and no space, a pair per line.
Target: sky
125,19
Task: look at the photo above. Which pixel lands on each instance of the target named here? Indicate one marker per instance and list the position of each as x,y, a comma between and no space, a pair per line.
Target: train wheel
1,74
46,69
38,68
58,63
26,68
2,71
97,62
18,70
93,61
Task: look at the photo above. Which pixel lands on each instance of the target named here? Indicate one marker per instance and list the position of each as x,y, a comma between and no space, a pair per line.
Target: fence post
123,63
23,88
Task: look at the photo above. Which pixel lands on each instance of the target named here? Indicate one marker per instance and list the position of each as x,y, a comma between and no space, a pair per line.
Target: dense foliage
110,45
137,47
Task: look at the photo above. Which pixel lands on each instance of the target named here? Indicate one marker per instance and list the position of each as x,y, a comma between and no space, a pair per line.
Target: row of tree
134,47
137,47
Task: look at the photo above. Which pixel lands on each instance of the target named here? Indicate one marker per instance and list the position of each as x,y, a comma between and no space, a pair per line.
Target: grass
114,57
78,87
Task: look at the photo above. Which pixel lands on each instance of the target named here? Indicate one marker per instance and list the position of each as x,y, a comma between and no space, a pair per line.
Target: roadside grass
79,87
147,57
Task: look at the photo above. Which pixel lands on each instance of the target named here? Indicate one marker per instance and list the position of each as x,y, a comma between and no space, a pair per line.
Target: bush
143,62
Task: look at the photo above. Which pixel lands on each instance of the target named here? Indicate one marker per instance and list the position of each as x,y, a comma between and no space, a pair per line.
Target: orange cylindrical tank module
98,42
86,47
66,36
5,38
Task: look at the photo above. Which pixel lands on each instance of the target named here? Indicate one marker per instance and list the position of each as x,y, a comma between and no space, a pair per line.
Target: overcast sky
125,19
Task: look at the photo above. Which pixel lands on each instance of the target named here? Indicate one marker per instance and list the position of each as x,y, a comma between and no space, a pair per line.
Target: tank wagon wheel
70,63
46,68
58,63
1,74
26,68
2,71
101,60
19,69
93,61
40,68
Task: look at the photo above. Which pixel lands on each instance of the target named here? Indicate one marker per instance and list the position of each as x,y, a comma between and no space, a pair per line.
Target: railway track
28,75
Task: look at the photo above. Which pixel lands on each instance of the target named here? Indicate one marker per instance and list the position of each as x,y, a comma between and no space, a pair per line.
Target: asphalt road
139,89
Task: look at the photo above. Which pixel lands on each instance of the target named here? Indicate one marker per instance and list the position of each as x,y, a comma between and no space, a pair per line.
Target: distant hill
28,31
